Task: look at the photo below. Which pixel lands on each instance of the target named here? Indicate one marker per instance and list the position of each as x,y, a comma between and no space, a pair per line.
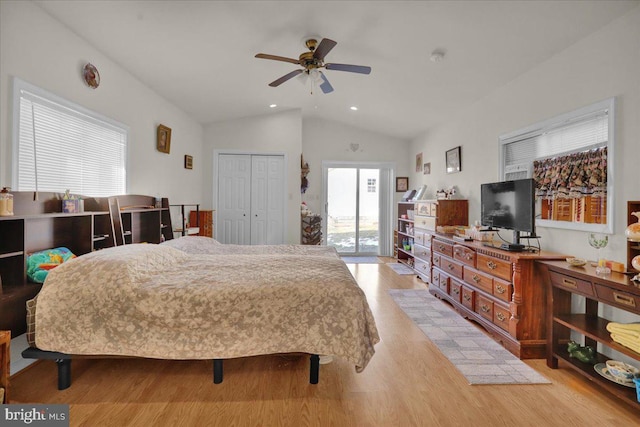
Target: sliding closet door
234,199
267,200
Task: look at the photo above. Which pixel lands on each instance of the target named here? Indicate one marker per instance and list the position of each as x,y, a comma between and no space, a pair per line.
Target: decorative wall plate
91,75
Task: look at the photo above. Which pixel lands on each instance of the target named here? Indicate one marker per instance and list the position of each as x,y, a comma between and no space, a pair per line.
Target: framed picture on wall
426,169
419,162
453,160
402,184
164,139
188,161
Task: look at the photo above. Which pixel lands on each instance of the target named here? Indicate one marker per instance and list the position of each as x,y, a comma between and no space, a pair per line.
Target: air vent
520,171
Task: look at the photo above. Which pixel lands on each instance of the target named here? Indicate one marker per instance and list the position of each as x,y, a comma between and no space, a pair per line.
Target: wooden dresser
614,290
205,222
502,291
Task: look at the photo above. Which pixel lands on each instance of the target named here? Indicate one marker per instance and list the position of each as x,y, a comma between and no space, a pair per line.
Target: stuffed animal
584,354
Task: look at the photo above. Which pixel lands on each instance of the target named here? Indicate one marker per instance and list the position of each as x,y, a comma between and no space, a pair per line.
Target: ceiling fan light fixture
273,105
353,108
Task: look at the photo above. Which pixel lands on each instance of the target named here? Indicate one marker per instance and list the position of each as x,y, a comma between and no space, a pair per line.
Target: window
59,145
371,185
567,157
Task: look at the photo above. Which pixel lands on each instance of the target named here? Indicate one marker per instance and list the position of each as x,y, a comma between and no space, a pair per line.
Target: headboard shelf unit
40,224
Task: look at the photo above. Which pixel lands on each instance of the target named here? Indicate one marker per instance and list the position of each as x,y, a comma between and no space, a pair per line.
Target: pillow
39,263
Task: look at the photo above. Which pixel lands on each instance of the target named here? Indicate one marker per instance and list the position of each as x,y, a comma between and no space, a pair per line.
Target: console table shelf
616,290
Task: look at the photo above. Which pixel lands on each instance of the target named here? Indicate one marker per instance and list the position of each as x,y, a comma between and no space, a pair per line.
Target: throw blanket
156,301
207,245
627,334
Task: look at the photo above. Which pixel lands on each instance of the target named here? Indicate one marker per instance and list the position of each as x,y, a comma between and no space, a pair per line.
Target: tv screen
508,204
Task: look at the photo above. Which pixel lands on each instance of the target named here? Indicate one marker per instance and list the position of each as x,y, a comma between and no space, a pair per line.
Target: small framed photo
426,168
164,139
402,184
454,160
188,161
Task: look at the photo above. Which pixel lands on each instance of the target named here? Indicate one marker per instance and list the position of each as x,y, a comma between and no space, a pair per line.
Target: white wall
278,133
40,50
328,140
603,65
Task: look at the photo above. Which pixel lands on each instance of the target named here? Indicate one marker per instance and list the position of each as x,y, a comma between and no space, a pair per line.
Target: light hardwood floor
407,383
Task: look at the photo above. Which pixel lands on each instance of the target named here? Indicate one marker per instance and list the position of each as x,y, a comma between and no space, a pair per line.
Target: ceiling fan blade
277,58
323,48
284,78
325,87
362,69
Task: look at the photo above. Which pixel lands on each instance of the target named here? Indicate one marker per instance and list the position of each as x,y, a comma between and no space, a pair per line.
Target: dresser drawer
495,267
442,247
468,298
618,298
422,267
484,307
436,258
465,255
426,222
424,208
422,252
451,267
455,290
443,283
478,279
501,317
435,277
418,236
570,283
502,289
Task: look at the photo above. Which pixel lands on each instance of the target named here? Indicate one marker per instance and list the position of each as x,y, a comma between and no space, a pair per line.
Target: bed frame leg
217,371
314,372
64,373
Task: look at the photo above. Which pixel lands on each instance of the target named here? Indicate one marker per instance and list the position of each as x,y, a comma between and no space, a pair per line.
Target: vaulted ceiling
200,54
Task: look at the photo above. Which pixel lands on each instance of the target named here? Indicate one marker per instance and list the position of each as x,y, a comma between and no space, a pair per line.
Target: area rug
477,356
361,259
400,268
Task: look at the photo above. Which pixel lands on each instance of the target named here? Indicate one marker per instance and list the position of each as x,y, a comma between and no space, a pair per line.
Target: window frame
552,123
18,86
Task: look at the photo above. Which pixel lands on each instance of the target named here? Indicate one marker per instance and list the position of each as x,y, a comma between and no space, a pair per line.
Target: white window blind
578,131
62,146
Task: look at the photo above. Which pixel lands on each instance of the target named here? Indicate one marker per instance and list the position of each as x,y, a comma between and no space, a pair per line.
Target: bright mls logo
35,415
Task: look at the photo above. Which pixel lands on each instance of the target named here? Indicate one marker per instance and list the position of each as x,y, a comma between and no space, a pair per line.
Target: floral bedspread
207,245
156,301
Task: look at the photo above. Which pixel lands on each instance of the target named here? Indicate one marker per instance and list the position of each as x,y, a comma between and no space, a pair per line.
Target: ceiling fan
312,62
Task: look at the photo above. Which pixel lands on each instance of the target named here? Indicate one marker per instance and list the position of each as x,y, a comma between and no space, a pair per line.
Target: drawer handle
492,265
466,297
450,266
425,267
476,278
624,299
423,253
569,283
485,308
501,317
441,248
500,289
456,291
469,257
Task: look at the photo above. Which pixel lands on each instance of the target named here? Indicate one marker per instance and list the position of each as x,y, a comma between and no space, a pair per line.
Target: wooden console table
616,290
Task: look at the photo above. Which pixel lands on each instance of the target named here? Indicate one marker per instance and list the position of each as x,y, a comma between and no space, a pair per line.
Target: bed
157,301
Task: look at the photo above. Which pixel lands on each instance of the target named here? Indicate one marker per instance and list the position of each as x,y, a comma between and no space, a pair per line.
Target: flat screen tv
509,205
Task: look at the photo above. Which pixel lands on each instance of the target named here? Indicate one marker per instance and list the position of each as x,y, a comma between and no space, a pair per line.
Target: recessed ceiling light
273,105
354,108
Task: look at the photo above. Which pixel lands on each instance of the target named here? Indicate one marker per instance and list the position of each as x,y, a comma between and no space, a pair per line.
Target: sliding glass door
353,197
